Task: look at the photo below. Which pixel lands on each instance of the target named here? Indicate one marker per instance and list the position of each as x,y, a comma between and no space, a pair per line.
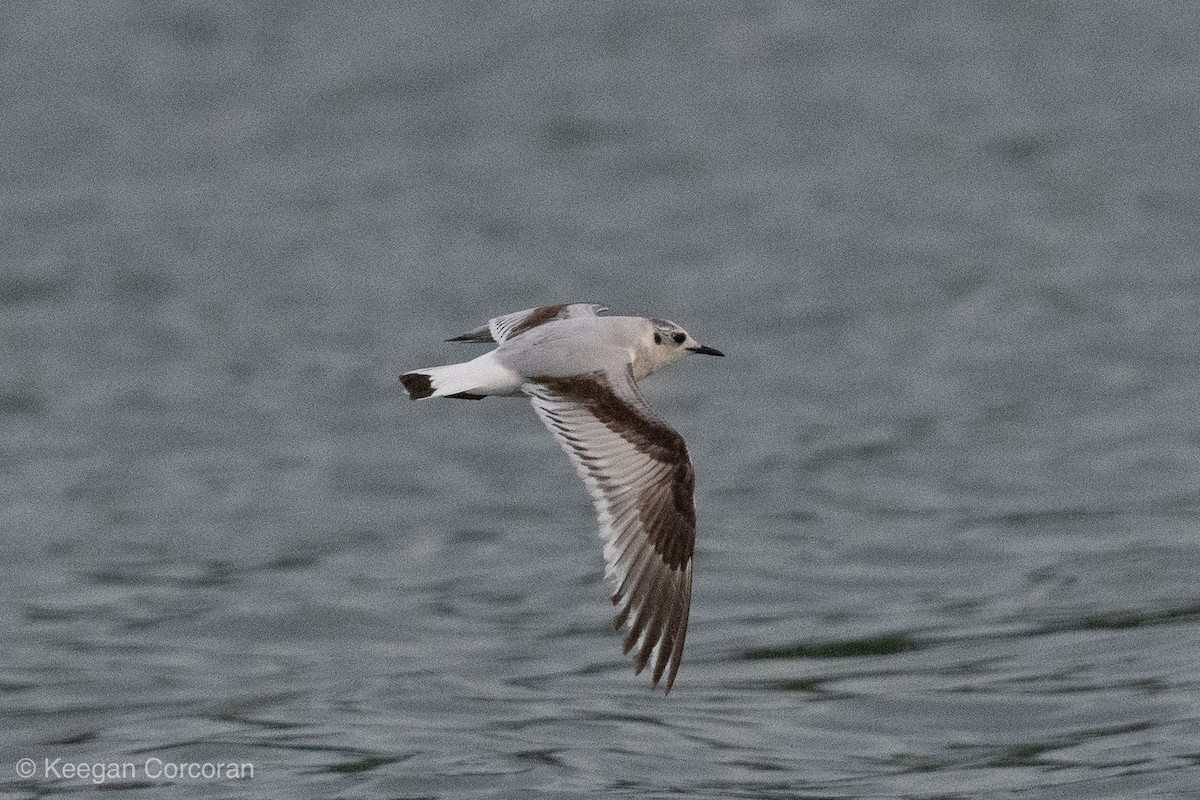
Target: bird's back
574,346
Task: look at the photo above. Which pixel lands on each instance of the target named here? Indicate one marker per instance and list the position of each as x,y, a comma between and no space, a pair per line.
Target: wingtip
475,337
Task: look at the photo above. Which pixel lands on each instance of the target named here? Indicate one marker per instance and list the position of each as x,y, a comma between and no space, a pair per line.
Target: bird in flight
580,371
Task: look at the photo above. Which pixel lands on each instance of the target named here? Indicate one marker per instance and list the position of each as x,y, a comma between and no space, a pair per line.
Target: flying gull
580,371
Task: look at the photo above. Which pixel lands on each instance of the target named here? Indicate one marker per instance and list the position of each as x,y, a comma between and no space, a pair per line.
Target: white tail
471,380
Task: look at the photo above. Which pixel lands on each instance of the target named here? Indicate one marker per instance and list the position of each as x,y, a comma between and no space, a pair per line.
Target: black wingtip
478,338
417,384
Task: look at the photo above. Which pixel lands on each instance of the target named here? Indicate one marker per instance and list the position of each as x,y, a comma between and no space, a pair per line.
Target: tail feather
471,380
418,384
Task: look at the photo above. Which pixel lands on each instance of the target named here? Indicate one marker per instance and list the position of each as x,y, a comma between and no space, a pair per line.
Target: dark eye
679,337
658,338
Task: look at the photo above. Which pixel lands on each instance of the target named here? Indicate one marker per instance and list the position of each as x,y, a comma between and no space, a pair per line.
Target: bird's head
665,344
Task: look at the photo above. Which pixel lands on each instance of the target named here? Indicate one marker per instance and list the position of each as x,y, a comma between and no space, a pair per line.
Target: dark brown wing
639,475
516,323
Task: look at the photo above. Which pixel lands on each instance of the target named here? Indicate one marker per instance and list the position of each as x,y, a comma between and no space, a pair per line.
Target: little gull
580,371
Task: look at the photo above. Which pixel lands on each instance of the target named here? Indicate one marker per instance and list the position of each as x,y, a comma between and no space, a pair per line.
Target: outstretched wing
639,475
516,323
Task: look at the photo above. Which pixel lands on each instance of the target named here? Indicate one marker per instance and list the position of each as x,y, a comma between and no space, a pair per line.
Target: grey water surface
949,542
